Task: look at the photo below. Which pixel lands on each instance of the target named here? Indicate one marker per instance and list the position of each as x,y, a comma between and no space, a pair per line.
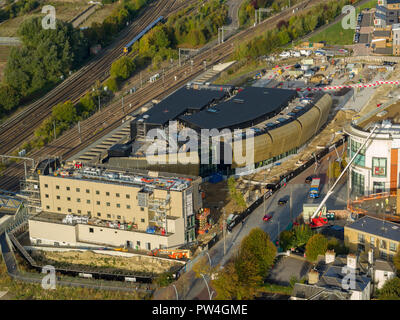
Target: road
281,218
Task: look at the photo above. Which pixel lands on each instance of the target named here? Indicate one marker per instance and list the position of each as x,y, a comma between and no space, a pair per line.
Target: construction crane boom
330,191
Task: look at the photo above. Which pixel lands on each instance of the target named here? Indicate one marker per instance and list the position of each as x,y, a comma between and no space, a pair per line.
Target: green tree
302,234
390,290
227,284
112,84
65,113
286,239
122,68
9,98
257,249
317,245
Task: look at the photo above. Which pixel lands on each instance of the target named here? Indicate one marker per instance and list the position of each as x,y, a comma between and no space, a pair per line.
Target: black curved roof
250,106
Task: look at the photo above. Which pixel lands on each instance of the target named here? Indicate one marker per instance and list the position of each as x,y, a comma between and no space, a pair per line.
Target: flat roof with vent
378,227
249,107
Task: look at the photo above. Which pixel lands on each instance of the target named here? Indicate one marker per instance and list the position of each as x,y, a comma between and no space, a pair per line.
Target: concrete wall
83,233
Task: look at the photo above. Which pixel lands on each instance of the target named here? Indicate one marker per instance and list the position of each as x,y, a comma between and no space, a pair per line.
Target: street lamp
208,288
176,292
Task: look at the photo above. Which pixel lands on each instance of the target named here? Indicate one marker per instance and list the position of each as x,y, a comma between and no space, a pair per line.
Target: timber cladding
292,135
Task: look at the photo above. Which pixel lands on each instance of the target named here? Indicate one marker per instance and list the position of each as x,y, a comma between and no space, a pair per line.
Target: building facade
103,206
368,233
376,167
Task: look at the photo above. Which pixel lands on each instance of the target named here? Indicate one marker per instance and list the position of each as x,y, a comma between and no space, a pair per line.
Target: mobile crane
320,221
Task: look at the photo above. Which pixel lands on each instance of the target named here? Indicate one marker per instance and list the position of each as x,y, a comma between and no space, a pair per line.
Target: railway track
110,117
18,128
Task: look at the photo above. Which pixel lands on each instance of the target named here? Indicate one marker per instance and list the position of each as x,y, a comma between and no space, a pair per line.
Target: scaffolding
159,209
30,191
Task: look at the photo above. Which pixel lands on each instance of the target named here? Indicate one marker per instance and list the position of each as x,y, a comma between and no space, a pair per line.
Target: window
87,191
57,187
108,204
69,210
360,247
357,184
107,193
360,159
361,238
141,209
379,187
47,207
117,195
68,188
372,243
89,213
58,209
118,205
393,247
118,217
46,185
98,202
128,206
383,255
88,201
379,167
46,195
108,215
78,190
79,211
68,198
91,230
98,214
78,200
141,220
382,244
97,192
128,196
138,243
58,197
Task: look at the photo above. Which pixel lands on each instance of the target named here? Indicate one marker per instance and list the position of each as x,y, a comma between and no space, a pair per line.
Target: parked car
308,179
282,201
306,53
285,54
295,54
267,217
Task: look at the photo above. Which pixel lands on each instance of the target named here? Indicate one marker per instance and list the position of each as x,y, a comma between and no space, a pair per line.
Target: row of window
118,195
382,243
108,204
89,213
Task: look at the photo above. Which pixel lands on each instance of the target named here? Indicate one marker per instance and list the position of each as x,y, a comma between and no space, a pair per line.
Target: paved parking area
288,267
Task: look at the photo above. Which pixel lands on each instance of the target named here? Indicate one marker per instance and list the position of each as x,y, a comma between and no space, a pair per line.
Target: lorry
314,189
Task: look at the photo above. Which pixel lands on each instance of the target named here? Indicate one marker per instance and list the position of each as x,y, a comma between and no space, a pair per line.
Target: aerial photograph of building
169,150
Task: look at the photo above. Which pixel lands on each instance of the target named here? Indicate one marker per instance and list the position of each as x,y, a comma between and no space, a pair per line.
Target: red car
267,217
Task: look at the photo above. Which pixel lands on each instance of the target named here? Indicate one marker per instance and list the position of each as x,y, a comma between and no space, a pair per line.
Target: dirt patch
137,263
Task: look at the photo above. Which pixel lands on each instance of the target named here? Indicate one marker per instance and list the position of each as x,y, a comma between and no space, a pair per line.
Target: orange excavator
171,253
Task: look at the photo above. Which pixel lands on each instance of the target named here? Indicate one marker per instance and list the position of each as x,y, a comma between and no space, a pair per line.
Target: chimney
313,276
352,261
329,256
371,256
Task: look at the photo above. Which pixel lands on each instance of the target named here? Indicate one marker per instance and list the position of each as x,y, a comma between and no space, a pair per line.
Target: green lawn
335,34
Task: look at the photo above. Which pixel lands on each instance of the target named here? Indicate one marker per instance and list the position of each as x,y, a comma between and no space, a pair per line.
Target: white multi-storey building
376,167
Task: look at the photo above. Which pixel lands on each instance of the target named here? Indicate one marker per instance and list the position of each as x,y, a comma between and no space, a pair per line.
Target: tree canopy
45,57
390,290
317,245
242,276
